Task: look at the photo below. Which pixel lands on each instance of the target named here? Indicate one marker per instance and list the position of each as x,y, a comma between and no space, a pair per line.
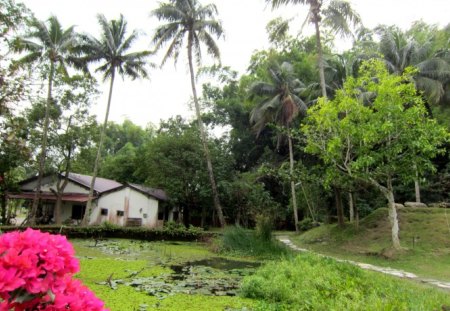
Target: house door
78,211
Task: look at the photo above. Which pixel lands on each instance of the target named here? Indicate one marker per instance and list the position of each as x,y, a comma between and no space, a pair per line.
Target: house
122,204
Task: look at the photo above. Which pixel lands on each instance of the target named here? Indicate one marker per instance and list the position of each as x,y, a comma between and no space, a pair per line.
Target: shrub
264,225
307,224
113,231
246,242
36,272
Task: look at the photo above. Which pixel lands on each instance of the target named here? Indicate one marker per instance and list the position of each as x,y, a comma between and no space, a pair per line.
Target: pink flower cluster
36,272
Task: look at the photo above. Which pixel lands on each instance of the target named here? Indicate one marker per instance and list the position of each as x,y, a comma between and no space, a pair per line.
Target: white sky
168,91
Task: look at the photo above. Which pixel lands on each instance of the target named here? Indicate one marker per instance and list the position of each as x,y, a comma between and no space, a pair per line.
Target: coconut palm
279,104
110,52
49,43
191,24
401,51
337,15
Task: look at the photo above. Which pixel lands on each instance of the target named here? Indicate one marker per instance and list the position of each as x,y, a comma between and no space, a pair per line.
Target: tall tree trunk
355,206
339,208
351,207
87,212
291,173
417,184
60,186
212,180
388,192
393,219
315,7
42,156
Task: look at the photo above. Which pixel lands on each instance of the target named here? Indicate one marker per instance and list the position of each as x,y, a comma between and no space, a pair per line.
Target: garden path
386,270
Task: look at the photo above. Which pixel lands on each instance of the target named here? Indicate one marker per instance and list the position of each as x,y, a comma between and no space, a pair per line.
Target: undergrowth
310,282
244,242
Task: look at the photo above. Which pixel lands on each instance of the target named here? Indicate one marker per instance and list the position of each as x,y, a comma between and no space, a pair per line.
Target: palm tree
51,44
191,21
279,104
337,15
111,51
399,52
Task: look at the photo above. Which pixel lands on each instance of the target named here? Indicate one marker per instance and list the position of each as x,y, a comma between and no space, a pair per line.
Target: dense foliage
259,166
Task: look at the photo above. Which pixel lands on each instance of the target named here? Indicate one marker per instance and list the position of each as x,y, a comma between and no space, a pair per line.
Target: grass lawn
424,233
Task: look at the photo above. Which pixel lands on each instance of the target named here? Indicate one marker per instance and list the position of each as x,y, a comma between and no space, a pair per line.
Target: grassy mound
424,233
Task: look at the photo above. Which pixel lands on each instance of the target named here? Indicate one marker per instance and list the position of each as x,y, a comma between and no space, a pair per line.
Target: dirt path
398,273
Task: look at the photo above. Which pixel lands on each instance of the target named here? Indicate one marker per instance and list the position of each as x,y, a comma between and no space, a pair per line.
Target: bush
310,282
307,224
264,225
112,231
247,243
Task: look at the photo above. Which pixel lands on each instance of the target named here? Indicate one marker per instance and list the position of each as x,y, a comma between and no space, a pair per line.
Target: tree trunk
339,209
392,214
215,193
315,11
351,207
417,184
291,174
88,210
42,156
355,206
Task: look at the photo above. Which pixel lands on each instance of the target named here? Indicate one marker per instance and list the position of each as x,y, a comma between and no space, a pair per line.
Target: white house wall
50,182
133,204
31,185
113,202
140,204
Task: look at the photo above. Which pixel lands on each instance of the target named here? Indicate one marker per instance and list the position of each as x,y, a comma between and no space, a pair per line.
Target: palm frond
432,89
340,17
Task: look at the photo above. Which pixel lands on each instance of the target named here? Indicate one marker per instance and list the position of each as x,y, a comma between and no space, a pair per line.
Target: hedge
138,233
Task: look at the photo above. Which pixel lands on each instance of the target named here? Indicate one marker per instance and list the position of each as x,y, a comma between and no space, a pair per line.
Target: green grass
310,282
429,256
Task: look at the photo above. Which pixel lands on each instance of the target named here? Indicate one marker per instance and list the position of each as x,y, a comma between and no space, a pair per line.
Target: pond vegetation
162,275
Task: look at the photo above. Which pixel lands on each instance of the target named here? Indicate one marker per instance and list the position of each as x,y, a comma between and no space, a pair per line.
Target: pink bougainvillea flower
36,271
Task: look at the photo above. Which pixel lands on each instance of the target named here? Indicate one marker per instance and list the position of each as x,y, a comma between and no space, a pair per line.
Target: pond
160,269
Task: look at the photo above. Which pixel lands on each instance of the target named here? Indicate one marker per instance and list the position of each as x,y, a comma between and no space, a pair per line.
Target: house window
78,211
144,216
104,212
119,213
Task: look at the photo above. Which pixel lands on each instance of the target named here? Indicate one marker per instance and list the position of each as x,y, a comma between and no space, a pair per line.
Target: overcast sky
168,91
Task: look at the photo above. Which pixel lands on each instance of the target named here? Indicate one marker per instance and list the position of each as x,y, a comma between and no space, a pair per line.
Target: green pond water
165,268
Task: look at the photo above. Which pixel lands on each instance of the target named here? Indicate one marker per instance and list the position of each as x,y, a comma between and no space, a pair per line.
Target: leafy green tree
118,135
111,50
53,45
337,15
279,104
121,165
14,153
191,21
375,143
173,161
